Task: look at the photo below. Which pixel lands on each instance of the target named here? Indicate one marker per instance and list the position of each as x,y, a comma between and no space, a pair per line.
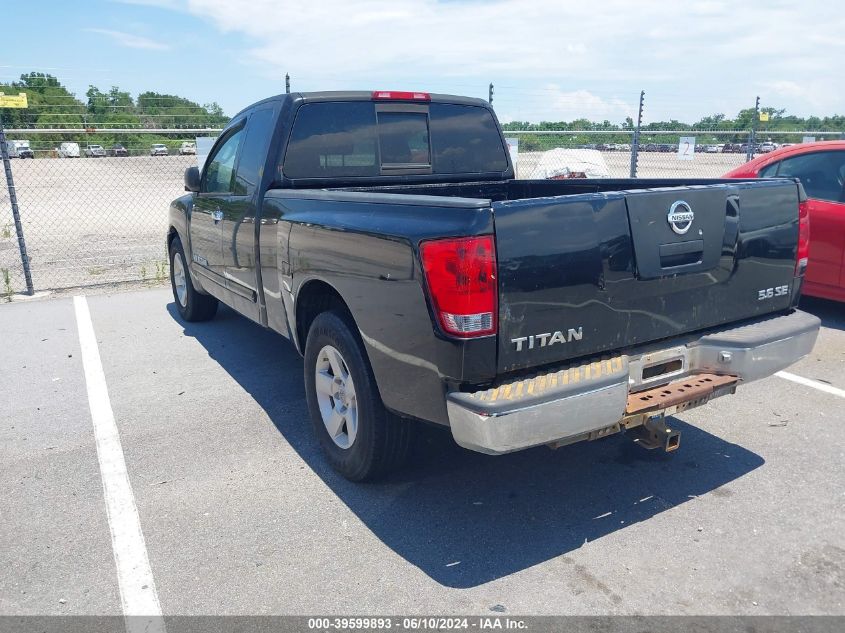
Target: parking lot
240,514
91,221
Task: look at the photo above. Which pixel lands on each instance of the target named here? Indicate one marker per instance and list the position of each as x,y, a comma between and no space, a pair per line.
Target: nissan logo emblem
680,217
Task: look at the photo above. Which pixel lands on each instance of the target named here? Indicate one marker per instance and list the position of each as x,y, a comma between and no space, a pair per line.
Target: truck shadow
830,312
464,518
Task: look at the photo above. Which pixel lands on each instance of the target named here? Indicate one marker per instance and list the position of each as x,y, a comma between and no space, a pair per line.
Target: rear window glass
349,139
403,138
465,139
333,140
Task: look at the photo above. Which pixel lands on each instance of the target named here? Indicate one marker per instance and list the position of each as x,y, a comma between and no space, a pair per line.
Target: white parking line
138,594
815,384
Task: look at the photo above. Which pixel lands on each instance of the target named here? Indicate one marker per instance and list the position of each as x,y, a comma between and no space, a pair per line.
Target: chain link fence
89,221
659,153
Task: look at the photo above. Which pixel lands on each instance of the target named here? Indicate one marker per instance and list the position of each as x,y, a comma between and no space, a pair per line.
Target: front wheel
191,304
358,436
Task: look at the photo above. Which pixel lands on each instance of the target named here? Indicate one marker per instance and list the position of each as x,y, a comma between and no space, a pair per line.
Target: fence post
13,199
749,154
635,144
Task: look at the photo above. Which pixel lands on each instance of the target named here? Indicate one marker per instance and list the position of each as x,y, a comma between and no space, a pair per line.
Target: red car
821,169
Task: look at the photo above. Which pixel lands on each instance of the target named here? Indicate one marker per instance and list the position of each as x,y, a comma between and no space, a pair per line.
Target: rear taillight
461,278
400,95
803,251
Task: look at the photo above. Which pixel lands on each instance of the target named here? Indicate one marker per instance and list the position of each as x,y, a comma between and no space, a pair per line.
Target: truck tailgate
587,274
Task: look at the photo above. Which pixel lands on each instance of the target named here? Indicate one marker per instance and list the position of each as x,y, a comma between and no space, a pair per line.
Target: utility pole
635,144
749,154
287,83
490,95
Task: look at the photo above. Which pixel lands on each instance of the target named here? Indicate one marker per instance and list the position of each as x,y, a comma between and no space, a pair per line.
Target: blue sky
548,59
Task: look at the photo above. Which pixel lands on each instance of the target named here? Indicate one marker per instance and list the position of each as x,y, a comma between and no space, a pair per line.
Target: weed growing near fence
8,291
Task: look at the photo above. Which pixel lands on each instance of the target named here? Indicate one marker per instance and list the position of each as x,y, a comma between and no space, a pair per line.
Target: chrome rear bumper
589,400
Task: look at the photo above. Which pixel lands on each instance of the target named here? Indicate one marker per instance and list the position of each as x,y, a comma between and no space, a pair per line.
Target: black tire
381,444
196,306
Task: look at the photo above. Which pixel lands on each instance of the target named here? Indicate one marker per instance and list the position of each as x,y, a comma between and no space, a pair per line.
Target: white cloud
689,56
131,41
582,103
561,105
789,88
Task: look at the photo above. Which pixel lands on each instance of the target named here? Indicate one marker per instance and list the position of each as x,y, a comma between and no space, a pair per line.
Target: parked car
118,150
18,148
732,148
94,151
650,147
158,149
187,148
712,149
68,150
373,217
765,148
820,167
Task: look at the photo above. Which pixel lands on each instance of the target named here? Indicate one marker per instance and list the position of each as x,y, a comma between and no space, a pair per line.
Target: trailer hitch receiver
655,434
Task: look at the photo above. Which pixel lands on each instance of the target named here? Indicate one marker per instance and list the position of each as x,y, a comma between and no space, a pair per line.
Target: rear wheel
359,437
192,305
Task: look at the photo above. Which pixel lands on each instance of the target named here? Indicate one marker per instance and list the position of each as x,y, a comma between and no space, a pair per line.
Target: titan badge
548,339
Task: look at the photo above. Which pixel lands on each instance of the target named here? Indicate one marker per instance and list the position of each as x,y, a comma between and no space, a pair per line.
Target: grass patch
161,270
8,291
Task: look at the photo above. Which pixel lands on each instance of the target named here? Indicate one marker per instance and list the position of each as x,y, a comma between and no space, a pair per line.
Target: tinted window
259,130
333,140
403,138
345,139
221,168
769,170
465,139
821,173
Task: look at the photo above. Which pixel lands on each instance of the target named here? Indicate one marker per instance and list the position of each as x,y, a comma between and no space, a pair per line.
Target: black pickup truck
385,235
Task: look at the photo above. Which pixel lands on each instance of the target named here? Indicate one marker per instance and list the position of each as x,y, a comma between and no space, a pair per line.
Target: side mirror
192,179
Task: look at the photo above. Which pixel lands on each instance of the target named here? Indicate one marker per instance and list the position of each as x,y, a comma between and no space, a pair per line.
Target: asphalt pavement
241,515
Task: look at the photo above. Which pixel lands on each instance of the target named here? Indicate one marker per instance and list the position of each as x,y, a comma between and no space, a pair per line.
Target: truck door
238,228
216,187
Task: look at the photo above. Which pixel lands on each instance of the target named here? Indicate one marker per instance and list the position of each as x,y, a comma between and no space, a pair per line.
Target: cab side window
220,173
821,173
259,131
